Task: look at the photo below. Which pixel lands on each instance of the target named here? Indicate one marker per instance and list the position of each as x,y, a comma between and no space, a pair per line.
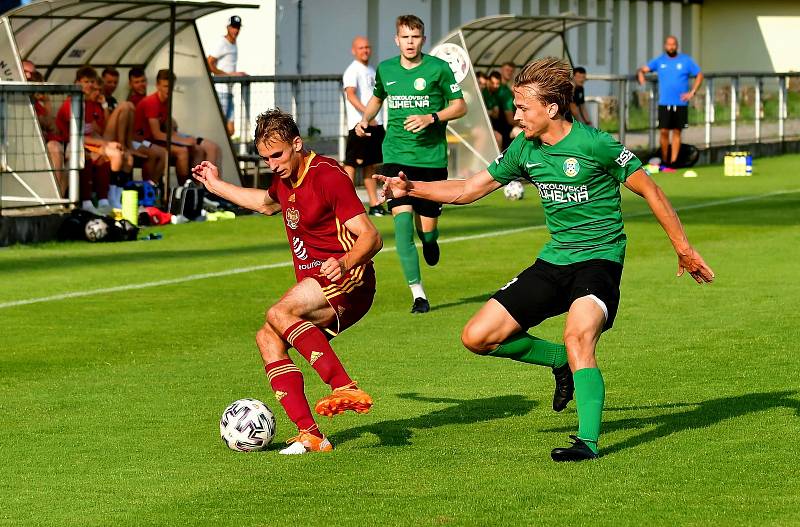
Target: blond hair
551,78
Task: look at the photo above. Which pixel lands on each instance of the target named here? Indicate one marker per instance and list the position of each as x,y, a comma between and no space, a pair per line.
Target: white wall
256,40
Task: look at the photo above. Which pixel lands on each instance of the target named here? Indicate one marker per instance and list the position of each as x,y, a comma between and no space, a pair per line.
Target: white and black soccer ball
514,190
96,229
247,425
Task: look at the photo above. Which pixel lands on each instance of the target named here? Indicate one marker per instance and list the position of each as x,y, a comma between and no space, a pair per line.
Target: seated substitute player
422,94
578,171
333,242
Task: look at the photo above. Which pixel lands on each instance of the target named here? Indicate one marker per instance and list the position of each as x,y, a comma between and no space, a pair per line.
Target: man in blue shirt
674,70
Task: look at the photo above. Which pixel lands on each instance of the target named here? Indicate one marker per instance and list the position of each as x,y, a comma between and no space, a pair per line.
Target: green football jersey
421,90
505,98
578,181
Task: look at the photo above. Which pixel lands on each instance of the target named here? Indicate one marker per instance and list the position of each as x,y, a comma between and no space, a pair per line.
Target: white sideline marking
239,270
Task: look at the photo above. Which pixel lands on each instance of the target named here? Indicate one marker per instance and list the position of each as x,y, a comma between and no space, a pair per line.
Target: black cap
235,21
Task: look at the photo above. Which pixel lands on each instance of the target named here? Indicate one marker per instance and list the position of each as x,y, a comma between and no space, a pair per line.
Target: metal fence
35,169
315,101
729,109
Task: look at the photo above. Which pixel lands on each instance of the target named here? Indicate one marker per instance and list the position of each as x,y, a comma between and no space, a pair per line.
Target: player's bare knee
276,314
474,339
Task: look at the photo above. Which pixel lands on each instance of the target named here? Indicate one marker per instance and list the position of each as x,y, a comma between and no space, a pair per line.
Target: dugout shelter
59,36
485,44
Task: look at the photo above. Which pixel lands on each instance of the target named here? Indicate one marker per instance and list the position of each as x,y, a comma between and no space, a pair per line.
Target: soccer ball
514,191
247,425
96,229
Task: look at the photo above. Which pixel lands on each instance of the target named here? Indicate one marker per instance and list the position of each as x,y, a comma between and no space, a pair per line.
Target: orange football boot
348,397
305,442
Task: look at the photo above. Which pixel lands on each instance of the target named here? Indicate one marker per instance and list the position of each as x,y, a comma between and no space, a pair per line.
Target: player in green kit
422,95
578,171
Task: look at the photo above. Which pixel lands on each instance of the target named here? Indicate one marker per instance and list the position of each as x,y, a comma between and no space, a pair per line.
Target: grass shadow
477,299
398,432
701,415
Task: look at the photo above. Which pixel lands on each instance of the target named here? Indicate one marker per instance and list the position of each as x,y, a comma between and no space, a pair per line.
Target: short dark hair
111,70
165,75
135,72
86,72
411,22
508,63
494,74
578,69
481,75
36,76
275,124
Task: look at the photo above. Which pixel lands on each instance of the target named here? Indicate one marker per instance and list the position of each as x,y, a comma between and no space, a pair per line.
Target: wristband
435,117
199,140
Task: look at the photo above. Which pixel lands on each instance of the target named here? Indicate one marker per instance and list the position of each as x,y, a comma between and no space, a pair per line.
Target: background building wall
740,35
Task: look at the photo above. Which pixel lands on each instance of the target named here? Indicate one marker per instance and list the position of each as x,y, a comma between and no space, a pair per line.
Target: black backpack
187,200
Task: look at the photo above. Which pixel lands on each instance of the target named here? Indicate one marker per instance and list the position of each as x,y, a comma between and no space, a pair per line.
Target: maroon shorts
350,297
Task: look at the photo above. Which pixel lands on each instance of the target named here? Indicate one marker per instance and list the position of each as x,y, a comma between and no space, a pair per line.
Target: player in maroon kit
333,242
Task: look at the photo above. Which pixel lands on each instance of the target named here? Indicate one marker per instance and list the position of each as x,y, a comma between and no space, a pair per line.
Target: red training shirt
315,210
150,107
94,118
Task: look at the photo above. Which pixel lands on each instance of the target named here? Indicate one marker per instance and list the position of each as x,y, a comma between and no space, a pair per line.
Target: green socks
406,250
428,237
590,392
532,350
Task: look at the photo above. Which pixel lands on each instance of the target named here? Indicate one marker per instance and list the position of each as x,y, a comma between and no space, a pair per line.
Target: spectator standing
577,108
673,70
362,152
222,61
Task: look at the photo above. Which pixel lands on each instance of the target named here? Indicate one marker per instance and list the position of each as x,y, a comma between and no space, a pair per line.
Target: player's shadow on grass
477,299
702,415
398,432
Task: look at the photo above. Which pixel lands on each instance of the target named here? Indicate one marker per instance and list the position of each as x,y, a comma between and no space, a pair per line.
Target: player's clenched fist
332,269
207,174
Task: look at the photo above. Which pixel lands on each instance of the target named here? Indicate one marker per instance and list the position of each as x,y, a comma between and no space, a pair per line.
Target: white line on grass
240,270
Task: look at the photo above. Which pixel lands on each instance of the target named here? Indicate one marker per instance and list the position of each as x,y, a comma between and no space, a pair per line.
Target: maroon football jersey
315,210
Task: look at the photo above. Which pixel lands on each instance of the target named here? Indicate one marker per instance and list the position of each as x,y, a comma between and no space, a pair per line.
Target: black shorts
423,207
364,151
673,117
545,290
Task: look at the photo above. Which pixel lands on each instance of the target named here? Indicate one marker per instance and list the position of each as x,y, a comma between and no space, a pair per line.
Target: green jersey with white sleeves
578,181
422,90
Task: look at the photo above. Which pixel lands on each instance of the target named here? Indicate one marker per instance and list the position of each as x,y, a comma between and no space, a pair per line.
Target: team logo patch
291,198
280,395
420,84
571,167
315,355
292,217
340,310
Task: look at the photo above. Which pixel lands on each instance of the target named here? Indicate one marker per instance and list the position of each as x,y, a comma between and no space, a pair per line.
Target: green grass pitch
109,402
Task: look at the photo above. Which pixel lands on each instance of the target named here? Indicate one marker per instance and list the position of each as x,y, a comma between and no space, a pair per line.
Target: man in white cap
222,61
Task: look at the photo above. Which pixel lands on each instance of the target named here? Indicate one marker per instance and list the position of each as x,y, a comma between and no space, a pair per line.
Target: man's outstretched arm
454,191
249,198
688,258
